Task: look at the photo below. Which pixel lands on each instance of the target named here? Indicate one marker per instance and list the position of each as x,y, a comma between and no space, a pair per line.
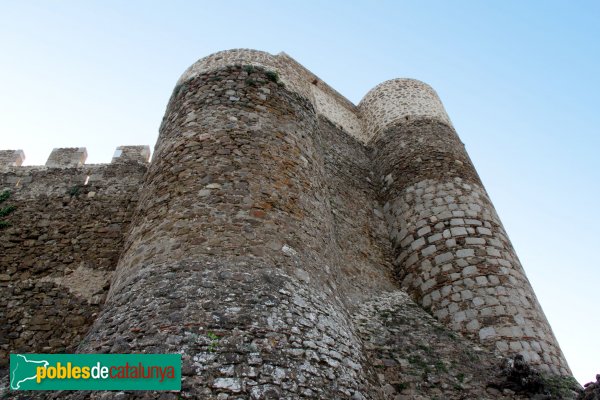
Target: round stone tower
451,251
228,259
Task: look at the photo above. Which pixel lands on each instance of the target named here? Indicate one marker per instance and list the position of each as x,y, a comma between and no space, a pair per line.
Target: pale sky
520,81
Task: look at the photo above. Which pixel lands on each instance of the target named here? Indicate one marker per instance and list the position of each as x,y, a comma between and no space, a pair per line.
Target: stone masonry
288,243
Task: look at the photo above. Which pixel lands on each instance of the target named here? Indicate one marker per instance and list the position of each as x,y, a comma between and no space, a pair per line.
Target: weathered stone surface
286,242
518,377
58,254
12,158
591,390
67,157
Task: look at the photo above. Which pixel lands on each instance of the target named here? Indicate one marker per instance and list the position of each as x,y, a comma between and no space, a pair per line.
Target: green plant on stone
74,190
440,366
4,196
4,211
249,68
272,76
401,386
214,340
559,386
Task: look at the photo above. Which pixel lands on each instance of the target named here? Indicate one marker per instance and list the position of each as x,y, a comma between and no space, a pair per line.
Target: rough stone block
434,238
429,250
67,157
458,231
473,325
469,270
424,231
476,241
484,231
417,244
131,153
462,253
11,158
486,333
444,258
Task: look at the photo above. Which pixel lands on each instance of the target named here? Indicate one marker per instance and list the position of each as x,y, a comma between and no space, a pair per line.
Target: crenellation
11,158
73,157
335,249
131,153
67,157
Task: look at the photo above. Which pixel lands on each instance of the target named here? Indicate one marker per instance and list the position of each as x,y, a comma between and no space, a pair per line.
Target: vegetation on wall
5,210
74,190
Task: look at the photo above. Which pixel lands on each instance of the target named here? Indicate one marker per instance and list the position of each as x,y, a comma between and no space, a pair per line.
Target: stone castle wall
274,213
64,241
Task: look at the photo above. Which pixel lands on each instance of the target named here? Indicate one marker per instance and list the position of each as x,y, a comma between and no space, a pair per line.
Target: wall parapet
399,101
327,101
75,157
131,153
67,157
390,102
11,158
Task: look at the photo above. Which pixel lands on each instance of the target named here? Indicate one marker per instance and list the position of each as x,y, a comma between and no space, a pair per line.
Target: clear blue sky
520,80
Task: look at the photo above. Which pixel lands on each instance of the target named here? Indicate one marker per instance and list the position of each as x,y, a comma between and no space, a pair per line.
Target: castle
285,241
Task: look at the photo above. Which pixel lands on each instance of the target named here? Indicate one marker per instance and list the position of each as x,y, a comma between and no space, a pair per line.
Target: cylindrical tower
451,251
226,260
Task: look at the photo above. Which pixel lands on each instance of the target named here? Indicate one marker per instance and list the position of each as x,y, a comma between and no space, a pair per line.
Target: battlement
388,102
13,158
67,157
66,171
131,153
74,157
